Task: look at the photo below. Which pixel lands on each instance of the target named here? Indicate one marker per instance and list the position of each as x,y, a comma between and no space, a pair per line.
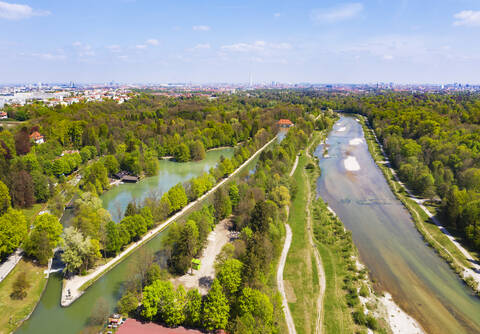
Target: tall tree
22,189
13,230
22,141
44,237
5,200
215,308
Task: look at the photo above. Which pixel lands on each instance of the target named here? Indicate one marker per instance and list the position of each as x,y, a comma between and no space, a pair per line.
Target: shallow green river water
389,244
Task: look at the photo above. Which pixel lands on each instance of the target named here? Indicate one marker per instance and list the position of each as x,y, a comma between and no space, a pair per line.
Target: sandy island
351,164
342,129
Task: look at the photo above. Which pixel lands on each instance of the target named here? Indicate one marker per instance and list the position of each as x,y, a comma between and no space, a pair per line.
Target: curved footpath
281,267
72,287
280,283
474,271
318,259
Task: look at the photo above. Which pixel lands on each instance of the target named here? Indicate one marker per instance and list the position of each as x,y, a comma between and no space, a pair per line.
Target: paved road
71,287
10,263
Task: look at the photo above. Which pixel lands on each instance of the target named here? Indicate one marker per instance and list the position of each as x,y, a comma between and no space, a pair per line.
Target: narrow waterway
399,260
169,174
49,316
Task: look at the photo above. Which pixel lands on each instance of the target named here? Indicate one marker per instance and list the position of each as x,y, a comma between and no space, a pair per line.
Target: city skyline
207,42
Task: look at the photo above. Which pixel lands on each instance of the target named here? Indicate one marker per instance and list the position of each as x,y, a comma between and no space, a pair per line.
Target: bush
364,291
359,318
20,286
372,323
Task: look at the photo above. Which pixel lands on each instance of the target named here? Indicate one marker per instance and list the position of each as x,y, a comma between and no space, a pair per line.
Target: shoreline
396,318
78,284
464,273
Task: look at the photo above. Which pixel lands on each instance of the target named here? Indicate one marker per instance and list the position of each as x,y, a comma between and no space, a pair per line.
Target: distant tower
250,83
39,85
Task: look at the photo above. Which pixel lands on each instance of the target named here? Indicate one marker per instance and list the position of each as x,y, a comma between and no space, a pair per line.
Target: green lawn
14,311
31,212
300,265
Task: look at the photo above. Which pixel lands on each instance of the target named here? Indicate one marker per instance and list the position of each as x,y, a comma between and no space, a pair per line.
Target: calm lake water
49,317
389,244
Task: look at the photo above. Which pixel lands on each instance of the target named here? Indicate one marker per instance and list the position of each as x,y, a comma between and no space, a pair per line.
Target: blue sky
403,41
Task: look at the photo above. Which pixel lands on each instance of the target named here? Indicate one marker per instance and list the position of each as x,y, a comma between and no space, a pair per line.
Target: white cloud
339,13
467,18
114,48
201,46
201,28
257,46
84,50
152,41
277,14
13,11
141,46
49,56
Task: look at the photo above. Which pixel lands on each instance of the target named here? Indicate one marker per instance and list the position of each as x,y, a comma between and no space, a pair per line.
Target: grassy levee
299,271
13,311
343,277
434,237
336,313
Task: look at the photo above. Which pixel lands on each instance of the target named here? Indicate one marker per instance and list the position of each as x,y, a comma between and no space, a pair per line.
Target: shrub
20,286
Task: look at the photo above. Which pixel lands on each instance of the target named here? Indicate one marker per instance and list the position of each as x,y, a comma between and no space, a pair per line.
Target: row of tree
240,299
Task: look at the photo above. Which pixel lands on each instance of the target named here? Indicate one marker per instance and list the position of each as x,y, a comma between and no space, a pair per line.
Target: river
399,260
49,316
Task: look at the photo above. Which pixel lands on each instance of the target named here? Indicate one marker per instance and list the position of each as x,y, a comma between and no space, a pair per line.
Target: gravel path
280,282
294,167
203,278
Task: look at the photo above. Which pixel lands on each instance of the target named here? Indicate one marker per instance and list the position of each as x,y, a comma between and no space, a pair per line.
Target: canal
399,260
49,316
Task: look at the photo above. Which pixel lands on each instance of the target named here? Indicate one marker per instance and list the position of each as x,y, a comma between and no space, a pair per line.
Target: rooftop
132,326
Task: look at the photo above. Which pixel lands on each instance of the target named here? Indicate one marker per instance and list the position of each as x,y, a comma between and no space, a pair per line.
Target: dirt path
203,278
294,167
280,282
318,259
72,288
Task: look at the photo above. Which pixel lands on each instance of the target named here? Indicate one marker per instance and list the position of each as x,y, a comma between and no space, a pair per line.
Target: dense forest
241,298
83,145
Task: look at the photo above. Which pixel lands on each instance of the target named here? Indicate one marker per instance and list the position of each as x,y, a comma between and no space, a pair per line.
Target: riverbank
349,291
76,285
301,276
429,227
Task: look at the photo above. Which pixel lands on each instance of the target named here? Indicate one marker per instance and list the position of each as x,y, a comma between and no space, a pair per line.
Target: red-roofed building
37,137
285,123
132,326
3,115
